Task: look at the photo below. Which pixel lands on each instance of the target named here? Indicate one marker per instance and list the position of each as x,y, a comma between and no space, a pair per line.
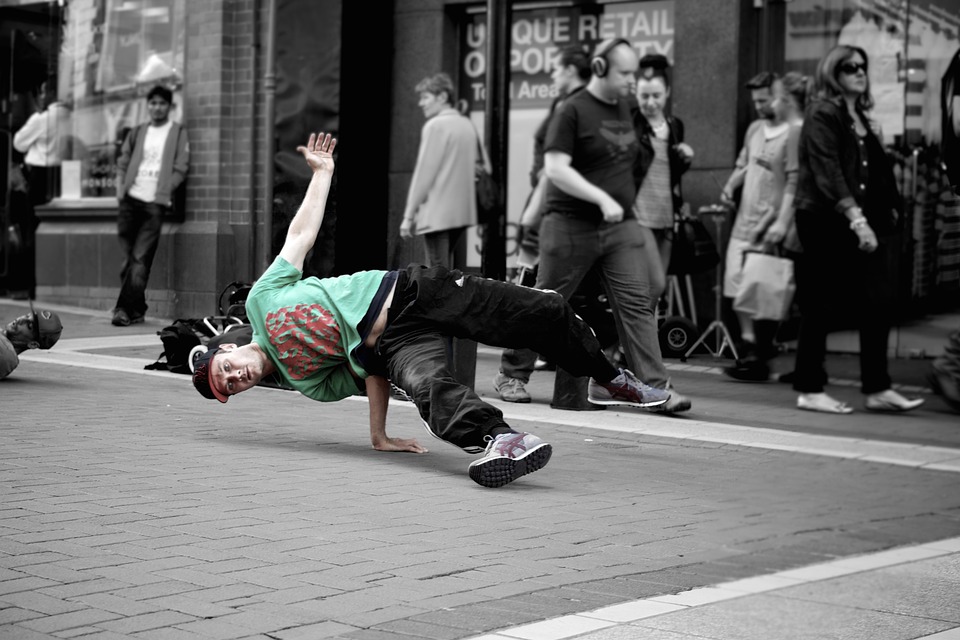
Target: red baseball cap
202,378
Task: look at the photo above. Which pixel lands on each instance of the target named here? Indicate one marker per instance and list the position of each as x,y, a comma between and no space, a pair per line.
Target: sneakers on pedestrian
749,371
509,456
626,389
675,404
510,389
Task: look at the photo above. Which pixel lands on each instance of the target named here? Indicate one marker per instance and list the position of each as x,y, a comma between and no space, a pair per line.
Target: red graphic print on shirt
304,336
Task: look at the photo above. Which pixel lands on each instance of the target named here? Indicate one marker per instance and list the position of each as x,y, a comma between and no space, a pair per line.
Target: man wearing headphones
590,150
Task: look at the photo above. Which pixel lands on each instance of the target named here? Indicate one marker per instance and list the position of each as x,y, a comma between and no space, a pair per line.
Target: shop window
112,53
539,32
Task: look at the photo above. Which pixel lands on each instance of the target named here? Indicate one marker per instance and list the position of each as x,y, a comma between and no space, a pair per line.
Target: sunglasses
851,68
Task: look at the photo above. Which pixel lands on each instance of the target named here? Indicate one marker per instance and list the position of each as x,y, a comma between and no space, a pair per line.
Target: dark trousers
138,227
433,303
839,285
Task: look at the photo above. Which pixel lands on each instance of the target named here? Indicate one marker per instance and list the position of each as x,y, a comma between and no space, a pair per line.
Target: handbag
693,249
487,189
766,287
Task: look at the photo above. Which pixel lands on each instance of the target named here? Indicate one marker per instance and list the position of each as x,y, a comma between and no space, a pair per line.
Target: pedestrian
441,201
590,150
35,330
153,163
847,205
663,158
765,215
569,76
330,338
761,98
41,140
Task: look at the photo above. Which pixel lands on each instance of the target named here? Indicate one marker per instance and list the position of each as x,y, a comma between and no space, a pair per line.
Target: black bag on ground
178,339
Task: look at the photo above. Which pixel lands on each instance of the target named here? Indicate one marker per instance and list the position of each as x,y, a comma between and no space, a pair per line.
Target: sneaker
675,404
749,371
510,389
626,389
137,319
120,318
509,456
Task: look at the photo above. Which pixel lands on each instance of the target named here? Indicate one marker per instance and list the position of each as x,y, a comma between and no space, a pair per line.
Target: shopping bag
766,286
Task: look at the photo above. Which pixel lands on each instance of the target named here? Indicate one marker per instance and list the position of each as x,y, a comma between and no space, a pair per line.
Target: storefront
341,68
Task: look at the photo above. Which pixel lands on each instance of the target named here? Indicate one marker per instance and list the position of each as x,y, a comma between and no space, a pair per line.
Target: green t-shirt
308,327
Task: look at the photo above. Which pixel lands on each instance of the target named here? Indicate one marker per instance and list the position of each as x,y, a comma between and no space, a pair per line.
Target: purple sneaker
626,389
509,456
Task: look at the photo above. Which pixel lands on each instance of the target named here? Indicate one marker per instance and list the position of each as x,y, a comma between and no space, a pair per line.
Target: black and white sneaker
508,457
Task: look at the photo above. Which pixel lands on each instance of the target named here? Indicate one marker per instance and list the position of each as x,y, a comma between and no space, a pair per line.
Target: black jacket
833,172
678,163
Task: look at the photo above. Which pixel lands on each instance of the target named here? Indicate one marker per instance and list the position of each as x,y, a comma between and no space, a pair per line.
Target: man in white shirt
153,162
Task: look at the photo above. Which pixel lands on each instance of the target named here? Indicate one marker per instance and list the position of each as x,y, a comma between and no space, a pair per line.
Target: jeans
569,248
432,303
138,227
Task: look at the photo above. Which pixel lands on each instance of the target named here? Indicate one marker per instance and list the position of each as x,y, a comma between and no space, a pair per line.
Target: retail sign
538,36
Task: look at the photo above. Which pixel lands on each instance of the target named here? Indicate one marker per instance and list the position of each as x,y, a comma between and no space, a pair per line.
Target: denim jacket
833,163
678,163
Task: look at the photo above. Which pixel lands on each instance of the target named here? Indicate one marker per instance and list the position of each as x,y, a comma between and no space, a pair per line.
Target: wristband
858,223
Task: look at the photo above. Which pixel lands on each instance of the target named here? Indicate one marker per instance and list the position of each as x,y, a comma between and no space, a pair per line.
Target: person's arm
429,159
558,169
739,173
956,115
181,159
378,394
533,212
29,133
303,230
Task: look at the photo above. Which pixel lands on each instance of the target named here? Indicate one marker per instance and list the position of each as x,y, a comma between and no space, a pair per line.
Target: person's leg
876,309
438,249
130,218
732,276
417,363
144,250
653,266
568,248
507,315
451,411
624,271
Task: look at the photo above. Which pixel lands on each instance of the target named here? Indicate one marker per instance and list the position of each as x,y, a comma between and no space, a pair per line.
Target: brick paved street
132,508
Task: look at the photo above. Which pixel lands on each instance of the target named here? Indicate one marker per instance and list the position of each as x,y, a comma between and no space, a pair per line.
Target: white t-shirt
144,186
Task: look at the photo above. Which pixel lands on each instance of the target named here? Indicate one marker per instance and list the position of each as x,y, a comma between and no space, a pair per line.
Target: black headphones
599,64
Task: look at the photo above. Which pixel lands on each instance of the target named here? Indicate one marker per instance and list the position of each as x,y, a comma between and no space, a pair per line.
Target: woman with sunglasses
847,205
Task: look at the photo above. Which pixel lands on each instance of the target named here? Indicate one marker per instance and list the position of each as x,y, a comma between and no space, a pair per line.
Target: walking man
329,338
590,150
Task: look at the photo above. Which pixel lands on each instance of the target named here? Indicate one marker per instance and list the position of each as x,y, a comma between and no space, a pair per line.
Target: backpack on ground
178,339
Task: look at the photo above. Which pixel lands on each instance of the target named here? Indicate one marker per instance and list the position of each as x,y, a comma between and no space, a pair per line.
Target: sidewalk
910,592
129,508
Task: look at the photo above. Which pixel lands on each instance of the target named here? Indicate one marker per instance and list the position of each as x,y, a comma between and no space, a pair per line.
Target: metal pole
269,128
252,200
496,129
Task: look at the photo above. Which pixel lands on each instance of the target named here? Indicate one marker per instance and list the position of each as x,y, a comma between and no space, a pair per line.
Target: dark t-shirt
602,142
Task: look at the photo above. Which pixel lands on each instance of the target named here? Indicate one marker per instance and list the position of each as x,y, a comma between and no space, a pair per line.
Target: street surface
133,508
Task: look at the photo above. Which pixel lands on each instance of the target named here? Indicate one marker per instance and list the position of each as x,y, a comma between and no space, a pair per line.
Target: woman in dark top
847,206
